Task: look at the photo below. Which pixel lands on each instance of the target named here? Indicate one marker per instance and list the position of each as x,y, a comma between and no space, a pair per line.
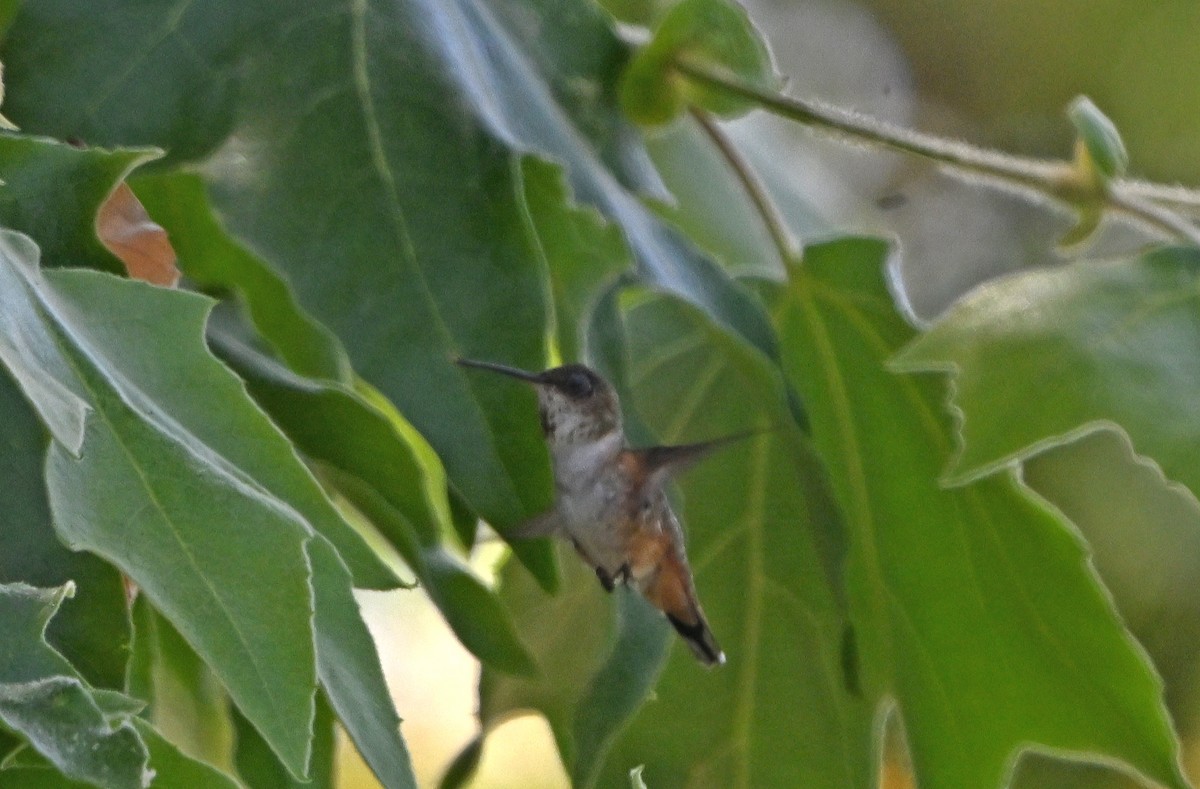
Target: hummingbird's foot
606,580
624,574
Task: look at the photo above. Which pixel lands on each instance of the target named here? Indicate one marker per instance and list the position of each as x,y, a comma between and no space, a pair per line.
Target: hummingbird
610,500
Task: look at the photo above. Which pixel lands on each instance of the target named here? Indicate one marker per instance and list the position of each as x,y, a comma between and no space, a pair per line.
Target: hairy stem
782,237
1152,205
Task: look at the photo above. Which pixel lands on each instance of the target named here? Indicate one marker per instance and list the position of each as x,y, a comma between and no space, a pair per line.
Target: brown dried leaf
128,232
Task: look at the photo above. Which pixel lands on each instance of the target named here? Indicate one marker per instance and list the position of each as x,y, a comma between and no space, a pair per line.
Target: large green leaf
1094,344
758,517
976,608
191,710
211,485
42,699
128,77
170,487
1143,533
92,628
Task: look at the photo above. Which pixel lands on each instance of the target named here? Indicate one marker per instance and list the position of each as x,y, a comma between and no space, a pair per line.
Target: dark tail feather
670,590
700,639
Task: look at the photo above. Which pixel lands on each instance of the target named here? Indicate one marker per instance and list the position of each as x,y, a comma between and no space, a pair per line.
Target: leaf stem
1150,213
1056,179
785,242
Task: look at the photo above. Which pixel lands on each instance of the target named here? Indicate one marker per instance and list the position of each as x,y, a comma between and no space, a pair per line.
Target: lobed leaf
976,603
1081,341
43,700
163,487
362,454
92,628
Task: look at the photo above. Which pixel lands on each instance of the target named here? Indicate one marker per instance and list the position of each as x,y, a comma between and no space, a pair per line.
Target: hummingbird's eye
578,385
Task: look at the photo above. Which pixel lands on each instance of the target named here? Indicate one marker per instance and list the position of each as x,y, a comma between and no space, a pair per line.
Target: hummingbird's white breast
589,488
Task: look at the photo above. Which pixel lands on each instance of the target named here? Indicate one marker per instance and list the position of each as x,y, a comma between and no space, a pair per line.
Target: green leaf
710,33
52,192
179,60
173,488
186,702
582,252
260,768
259,449
175,770
970,604
472,610
212,259
596,659
42,699
336,426
373,465
350,674
1133,519
460,278
91,629
1081,341
761,536
1100,139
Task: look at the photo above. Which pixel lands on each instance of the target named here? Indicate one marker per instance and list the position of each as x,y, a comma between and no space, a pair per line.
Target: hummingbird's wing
547,524
662,463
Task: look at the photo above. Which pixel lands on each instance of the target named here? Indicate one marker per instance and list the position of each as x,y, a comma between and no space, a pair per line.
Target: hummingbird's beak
514,372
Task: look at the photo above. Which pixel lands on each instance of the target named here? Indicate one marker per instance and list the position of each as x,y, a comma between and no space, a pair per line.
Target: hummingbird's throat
565,422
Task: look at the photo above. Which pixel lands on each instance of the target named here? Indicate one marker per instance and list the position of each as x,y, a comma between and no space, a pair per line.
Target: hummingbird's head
576,404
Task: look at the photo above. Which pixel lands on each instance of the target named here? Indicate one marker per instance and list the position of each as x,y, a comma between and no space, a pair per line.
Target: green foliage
1083,341
90,735
704,32
370,190
1100,138
939,580
87,735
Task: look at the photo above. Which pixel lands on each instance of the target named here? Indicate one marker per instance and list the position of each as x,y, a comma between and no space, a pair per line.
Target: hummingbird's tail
700,638
672,592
